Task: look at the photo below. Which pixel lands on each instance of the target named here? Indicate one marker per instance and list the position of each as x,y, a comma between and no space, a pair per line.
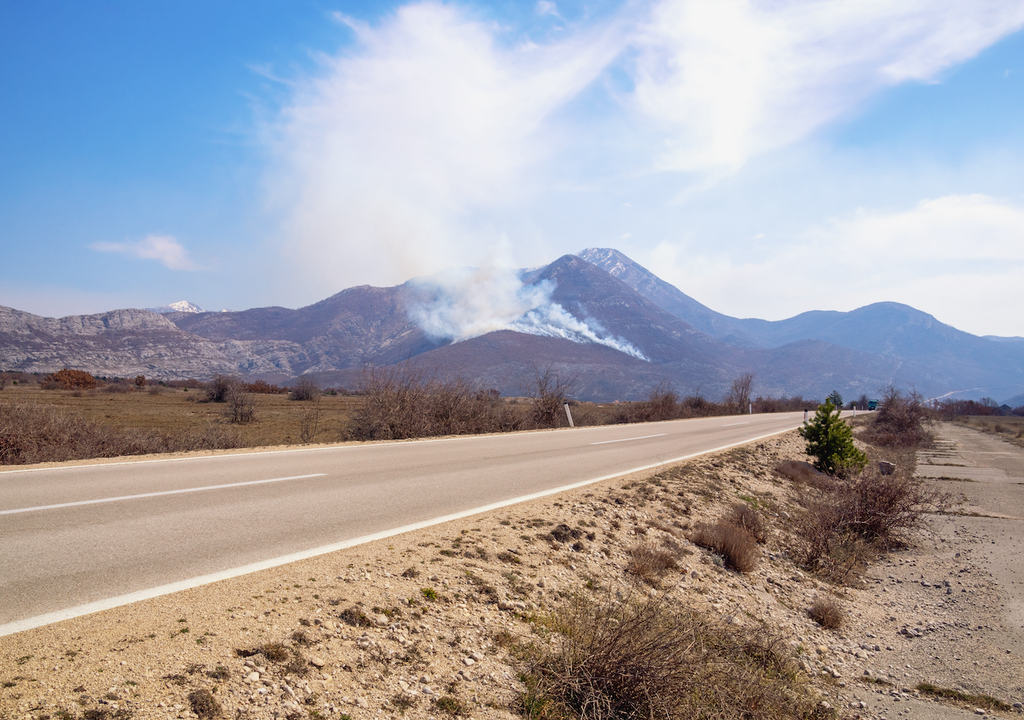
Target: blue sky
767,157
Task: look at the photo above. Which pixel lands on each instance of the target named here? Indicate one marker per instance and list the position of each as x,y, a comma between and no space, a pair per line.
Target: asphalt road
77,539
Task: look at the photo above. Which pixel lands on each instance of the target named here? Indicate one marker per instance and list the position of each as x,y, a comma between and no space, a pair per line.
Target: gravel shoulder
415,626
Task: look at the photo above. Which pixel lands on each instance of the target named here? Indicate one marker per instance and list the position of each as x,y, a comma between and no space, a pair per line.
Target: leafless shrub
743,516
899,421
880,511
402,402
733,543
241,405
739,393
642,660
549,391
827,612
650,563
309,422
662,403
34,433
220,388
305,389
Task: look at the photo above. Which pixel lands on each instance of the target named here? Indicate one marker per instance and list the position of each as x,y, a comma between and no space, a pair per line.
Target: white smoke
462,304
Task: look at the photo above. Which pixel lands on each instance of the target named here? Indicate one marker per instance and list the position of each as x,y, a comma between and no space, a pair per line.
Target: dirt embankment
420,625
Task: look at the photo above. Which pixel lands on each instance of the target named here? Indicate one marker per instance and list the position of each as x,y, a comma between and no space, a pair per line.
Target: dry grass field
1009,428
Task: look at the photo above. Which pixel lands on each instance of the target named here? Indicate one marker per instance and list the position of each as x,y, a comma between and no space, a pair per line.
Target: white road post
568,414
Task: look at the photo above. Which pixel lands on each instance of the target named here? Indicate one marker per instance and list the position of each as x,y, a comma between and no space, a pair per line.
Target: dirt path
959,599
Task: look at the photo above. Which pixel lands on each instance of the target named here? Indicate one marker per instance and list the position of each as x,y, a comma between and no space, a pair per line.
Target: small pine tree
836,399
830,442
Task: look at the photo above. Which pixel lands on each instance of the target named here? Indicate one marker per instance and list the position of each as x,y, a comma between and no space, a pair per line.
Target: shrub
549,391
241,405
733,543
830,442
899,421
220,388
34,434
204,704
69,380
649,659
401,402
743,516
883,511
305,390
649,563
827,612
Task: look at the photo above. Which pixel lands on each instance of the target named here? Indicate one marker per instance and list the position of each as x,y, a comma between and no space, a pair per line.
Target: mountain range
598,316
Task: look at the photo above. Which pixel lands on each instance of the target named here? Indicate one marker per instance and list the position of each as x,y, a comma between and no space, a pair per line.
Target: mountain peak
181,306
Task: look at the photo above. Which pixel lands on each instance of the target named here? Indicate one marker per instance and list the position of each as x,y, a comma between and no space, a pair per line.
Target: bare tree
549,390
739,394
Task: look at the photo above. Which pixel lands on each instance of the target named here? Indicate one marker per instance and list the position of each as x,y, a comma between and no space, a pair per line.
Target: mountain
936,357
599,316
180,306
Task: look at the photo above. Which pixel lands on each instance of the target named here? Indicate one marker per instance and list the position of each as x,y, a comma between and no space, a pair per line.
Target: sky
766,157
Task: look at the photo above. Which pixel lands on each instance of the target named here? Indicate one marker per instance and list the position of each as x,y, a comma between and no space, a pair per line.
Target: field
1010,428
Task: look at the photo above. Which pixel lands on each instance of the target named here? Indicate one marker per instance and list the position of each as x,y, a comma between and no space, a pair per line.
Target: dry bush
305,390
875,510
221,387
549,391
652,659
662,403
262,387
827,612
68,380
401,402
34,434
899,421
649,563
743,516
241,405
803,473
204,704
733,543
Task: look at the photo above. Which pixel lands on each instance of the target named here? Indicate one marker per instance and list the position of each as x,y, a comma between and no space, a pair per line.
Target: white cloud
165,249
958,257
417,146
729,79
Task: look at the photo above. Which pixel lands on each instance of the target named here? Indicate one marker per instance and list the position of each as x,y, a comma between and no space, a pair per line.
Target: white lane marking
735,424
93,607
642,437
156,494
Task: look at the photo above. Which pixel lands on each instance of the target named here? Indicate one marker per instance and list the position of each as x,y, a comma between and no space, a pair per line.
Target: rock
253,677
468,661
362,703
316,661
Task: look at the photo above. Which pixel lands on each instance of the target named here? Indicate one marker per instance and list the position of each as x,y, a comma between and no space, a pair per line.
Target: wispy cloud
726,80
962,246
165,249
434,132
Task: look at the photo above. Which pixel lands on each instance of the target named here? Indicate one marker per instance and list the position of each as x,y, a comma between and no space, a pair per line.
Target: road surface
78,539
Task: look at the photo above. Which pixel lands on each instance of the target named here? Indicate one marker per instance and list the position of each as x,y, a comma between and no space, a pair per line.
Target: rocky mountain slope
599,316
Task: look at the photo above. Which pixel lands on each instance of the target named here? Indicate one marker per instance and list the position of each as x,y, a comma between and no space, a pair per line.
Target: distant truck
872,404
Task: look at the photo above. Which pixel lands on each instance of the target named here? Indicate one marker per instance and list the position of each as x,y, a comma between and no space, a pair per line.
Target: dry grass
733,543
649,563
648,659
827,612
743,516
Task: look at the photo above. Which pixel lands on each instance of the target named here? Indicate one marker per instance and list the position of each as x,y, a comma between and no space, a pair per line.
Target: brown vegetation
899,421
649,659
827,612
735,545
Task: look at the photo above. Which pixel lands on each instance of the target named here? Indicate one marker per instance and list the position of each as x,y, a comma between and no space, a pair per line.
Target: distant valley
596,315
